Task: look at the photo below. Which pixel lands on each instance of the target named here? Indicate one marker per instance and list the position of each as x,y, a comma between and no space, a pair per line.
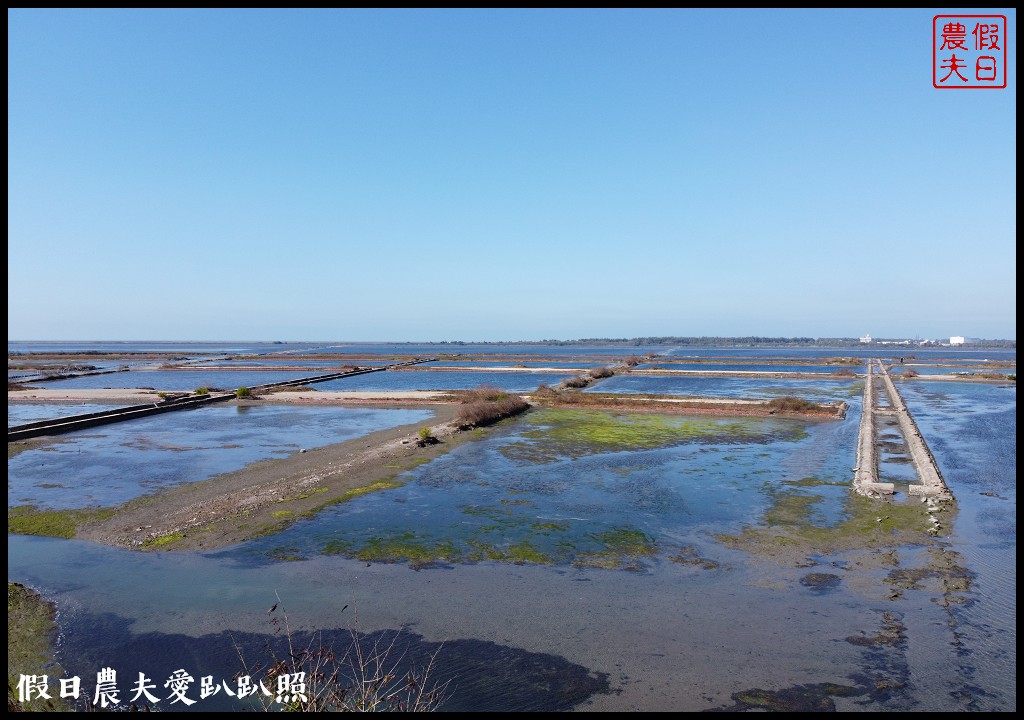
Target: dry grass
486,405
792,404
367,677
580,381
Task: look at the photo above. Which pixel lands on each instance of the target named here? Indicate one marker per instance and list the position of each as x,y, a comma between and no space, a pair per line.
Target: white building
956,340
866,339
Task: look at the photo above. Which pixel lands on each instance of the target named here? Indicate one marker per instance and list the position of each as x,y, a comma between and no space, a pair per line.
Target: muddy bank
31,634
269,495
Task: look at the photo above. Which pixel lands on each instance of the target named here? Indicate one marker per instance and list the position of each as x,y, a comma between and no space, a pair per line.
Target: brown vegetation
908,373
486,405
580,381
790,404
601,372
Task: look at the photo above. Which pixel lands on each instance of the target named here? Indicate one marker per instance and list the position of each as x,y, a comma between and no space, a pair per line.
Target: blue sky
502,175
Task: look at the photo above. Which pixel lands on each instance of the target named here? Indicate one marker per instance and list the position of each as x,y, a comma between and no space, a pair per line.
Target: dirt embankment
692,405
266,496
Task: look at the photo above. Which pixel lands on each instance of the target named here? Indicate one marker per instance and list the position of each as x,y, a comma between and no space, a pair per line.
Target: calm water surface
111,464
695,623
442,380
811,389
21,413
178,380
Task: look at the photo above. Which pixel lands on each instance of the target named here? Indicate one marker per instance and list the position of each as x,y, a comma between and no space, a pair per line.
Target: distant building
866,339
957,340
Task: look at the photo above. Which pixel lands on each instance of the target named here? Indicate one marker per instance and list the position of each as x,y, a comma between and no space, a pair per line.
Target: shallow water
539,490
716,628
112,464
751,367
178,380
294,361
810,389
553,363
972,431
21,413
442,380
195,348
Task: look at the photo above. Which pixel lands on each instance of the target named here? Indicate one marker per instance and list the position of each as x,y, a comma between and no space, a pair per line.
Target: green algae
787,532
524,552
352,493
286,554
407,546
30,520
559,433
623,548
519,553
162,540
893,633
810,482
689,556
799,698
545,528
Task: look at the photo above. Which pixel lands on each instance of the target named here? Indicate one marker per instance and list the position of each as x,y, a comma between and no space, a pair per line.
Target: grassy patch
29,520
787,532
31,632
559,433
366,490
162,540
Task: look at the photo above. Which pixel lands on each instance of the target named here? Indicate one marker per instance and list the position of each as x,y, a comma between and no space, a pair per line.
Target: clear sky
502,175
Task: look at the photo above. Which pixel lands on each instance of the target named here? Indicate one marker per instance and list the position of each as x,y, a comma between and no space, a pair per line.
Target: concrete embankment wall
59,426
865,475
80,422
932,482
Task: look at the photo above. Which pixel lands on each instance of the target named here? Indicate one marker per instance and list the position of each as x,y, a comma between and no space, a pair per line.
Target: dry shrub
601,372
908,373
580,381
844,372
793,405
371,675
487,404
